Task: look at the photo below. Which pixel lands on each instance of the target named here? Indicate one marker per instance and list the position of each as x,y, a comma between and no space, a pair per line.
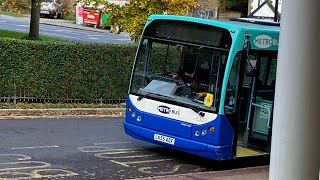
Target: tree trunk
35,18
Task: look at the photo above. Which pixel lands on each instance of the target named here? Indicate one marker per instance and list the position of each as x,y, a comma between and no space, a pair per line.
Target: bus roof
230,25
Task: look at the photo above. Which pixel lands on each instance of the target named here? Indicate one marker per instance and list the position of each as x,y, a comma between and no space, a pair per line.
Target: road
22,25
90,148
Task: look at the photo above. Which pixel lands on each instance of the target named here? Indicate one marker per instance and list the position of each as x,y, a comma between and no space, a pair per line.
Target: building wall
209,3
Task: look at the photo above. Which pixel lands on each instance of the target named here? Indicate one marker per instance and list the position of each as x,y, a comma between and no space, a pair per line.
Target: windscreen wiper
196,110
149,93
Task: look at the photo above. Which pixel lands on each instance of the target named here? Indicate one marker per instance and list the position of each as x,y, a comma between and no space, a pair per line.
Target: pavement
255,173
109,112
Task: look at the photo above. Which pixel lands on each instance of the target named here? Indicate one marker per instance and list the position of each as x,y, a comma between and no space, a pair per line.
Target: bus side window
140,68
232,88
272,73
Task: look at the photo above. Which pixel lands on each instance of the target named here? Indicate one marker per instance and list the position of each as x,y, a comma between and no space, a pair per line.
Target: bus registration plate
164,139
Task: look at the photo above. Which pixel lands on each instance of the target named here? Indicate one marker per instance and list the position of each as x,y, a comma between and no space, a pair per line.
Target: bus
203,86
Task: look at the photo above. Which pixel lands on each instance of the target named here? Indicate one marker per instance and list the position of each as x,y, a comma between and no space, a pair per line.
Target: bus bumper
182,144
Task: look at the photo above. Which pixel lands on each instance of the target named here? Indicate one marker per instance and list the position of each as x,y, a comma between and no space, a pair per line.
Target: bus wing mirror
251,68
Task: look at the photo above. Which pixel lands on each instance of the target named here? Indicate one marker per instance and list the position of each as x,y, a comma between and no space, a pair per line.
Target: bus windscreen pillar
296,126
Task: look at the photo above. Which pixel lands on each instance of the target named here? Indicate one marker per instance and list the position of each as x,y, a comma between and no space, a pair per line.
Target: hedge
70,70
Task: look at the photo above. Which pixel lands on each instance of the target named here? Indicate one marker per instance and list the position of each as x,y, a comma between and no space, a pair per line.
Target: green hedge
65,69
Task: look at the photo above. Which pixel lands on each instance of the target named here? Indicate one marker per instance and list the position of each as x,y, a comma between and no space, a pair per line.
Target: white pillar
295,140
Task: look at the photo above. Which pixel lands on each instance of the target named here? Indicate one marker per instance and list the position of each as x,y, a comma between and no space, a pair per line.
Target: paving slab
255,173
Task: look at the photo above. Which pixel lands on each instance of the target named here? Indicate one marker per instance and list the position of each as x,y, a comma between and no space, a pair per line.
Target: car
52,8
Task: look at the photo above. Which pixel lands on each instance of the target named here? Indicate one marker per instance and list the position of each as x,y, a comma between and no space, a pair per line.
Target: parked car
52,8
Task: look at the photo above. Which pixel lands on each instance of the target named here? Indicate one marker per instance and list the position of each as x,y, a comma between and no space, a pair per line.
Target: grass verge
24,35
5,12
70,18
56,105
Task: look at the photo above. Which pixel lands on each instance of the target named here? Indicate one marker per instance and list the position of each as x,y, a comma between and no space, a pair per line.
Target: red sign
91,16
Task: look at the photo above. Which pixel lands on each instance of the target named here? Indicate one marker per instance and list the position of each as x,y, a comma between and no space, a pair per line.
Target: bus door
260,105
254,111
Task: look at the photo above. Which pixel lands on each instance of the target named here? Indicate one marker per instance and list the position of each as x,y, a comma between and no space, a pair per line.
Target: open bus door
255,109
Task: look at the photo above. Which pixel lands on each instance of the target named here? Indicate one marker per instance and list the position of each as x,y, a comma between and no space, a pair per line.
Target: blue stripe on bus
222,137
167,125
182,144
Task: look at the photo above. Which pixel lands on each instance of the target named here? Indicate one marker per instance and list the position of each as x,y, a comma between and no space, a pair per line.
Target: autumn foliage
16,6
132,16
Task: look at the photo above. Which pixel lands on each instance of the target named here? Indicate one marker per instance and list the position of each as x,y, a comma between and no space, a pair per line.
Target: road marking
36,147
147,170
95,35
3,21
22,170
61,173
93,38
130,157
118,152
20,157
94,149
119,163
101,155
23,25
4,168
37,174
110,143
126,164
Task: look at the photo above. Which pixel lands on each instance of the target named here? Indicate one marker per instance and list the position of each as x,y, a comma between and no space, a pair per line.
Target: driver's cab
190,74
200,71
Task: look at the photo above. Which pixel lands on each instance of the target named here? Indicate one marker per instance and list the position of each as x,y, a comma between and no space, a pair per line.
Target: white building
263,8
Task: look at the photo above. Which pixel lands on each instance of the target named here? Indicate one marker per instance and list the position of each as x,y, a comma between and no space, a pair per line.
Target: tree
235,5
16,6
34,20
137,12
133,16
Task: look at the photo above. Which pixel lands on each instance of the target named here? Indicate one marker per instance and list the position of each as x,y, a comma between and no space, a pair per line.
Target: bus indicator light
133,114
211,129
129,108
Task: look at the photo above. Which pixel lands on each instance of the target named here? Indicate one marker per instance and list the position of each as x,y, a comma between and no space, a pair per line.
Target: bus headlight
133,114
204,132
138,118
197,133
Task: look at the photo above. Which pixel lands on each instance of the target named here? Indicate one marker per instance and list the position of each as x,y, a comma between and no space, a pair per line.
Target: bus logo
265,41
167,110
164,109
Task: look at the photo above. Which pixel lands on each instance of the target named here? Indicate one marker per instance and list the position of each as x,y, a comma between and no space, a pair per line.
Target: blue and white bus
204,87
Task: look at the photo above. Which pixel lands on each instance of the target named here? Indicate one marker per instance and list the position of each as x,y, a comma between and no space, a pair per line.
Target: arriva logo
164,109
265,41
